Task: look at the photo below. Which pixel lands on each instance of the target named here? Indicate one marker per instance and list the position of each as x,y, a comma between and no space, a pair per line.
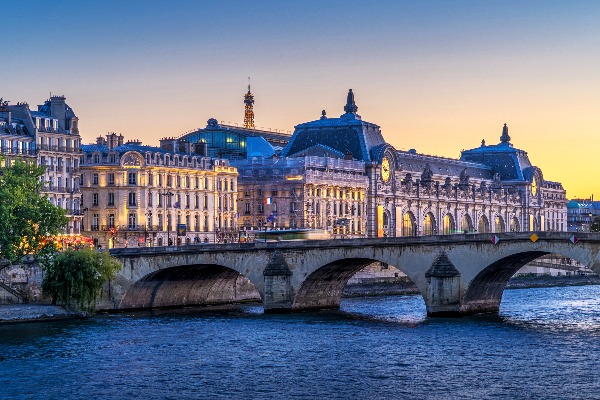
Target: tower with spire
249,108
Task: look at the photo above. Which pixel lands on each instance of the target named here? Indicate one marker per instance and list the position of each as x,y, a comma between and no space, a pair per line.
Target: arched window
429,227
467,224
499,224
514,225
448,224
484,225
408,225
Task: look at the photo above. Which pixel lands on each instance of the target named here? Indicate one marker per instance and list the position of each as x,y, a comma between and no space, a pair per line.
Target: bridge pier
278,287
443,290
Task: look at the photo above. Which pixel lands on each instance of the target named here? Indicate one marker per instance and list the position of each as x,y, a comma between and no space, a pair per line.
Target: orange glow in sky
436,76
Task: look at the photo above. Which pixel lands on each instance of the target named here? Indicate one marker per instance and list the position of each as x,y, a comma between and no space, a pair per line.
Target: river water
545,343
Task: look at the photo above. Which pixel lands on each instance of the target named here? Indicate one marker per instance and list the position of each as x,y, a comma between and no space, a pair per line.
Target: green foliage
77,276
27,218
595,227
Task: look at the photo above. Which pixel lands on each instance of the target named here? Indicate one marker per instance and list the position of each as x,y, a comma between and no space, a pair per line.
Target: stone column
278,288
443,291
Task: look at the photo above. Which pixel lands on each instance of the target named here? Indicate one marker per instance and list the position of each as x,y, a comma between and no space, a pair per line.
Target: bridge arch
324,286
484,291
189,285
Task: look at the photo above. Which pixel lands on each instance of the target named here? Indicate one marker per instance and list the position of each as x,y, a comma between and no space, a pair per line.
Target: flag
268,200
176,204
237,214
271,218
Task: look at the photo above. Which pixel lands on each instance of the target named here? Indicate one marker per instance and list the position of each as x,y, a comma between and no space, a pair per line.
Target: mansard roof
124,148
347,134
409,161
503,158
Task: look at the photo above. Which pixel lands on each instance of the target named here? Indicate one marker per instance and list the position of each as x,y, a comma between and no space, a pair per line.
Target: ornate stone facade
50,136
489,189
136,195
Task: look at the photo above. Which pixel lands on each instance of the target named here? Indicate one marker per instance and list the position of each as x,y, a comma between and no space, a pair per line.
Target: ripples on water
543,344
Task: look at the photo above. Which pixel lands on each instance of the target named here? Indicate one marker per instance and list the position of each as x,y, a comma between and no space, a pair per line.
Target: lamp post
148,216
167,220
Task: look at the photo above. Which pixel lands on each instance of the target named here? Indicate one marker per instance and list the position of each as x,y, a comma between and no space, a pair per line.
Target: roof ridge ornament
350,107
505,138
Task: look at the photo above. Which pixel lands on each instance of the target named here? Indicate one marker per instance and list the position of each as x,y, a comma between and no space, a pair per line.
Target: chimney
100,140
5,111
58,110
111,140
166,144
120,140
74,125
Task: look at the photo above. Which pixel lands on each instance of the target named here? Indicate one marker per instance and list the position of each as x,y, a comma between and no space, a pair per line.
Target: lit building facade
303,192
136,195
50,136
491,188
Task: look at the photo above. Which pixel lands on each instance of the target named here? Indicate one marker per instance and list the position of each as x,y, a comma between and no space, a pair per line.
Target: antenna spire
249,108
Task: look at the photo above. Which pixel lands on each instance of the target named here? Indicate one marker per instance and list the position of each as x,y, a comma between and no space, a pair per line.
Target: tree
78,276
27,218
595,226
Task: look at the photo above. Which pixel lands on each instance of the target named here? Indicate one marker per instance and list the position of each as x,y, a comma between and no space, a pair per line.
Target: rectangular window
150,195
169,181
178,181
95,222
160,180
131,221
111,178
150,179
111,220
132,199
246,208
95,179
205,201
132,178
111,199
95,199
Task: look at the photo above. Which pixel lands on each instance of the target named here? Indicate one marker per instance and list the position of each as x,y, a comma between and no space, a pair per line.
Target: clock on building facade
385,169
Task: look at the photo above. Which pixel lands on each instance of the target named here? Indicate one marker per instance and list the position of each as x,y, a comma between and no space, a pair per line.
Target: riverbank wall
402,286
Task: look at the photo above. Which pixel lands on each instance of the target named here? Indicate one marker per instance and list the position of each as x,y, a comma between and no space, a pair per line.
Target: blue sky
438,76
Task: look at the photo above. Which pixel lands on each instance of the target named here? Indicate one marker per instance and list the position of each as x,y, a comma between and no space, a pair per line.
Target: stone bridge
456,274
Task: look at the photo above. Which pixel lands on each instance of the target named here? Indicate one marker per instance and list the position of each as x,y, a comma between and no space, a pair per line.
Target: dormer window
96,158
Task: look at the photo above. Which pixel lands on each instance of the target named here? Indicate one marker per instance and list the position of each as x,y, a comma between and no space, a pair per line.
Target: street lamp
148,217
165,194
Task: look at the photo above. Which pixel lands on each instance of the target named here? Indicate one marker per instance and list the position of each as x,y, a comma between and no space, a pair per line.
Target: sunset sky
437,76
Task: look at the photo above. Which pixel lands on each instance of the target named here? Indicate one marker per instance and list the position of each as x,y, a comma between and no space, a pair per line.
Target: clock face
385,169
534,187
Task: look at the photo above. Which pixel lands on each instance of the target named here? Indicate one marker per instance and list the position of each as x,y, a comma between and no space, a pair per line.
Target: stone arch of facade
409,224
484,225
466,223
499,225
448,224
429,224
515,226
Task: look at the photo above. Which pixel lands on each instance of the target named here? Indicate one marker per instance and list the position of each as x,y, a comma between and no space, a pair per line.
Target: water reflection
543,344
